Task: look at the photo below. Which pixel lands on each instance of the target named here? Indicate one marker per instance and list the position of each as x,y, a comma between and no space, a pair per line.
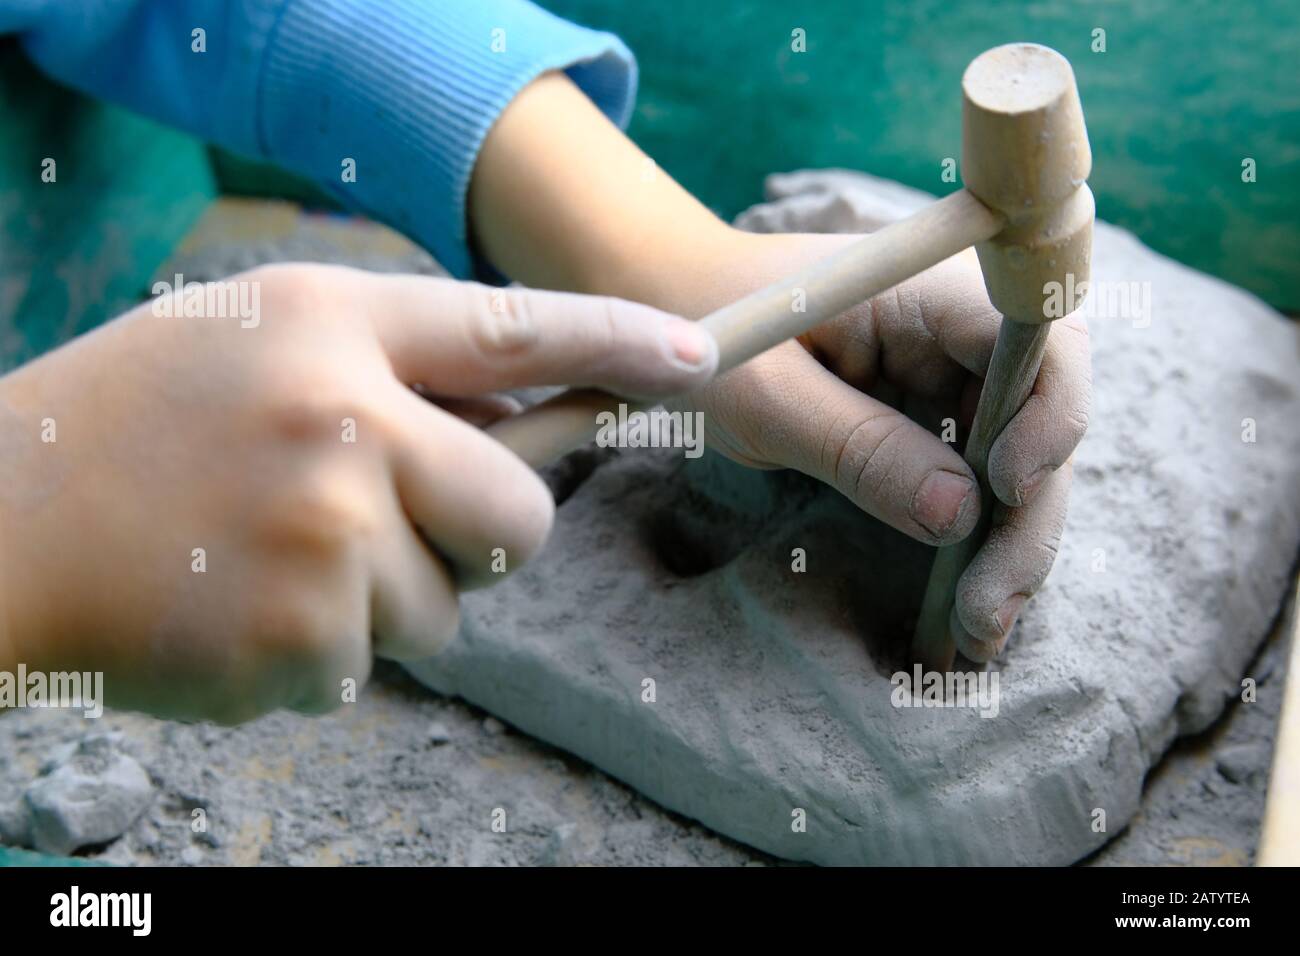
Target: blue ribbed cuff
408,89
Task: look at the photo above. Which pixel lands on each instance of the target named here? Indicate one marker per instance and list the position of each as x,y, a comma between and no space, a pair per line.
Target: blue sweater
407,89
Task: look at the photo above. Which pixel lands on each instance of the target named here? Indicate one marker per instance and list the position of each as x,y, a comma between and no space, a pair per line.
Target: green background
1185,90
81,249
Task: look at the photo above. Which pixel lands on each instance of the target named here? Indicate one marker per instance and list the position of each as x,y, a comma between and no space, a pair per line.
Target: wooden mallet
1025,154
1028,212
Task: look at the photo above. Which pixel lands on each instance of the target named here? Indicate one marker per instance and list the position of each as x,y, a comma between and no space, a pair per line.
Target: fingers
885,463
476,504
467,339
924,335
945,313
465,511
325,642
1045,431
931,331
1009,568
414,609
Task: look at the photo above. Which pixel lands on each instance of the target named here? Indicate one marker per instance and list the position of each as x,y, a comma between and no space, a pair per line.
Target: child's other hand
231,516
815,405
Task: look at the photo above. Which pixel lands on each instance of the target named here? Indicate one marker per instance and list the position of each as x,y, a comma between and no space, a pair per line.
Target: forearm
560,198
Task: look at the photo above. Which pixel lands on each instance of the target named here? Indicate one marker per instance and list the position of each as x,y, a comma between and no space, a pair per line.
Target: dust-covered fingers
1010,567
1052,422
926,334
887,464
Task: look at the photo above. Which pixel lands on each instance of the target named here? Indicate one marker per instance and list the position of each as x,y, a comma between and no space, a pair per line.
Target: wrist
690,270
724,265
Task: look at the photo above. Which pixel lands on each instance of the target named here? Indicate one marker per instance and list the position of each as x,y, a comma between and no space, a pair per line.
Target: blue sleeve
407,89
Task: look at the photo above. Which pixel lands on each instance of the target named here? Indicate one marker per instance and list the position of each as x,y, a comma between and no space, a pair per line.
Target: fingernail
1009,611
692,347
1030,484
940,500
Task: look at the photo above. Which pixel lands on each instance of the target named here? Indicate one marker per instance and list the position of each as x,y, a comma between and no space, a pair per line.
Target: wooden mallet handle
1024,153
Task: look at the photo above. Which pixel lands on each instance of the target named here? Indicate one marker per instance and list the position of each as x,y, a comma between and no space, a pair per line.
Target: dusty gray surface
1203,803
88,794
407,776
366,785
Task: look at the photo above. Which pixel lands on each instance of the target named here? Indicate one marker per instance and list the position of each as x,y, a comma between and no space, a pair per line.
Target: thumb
463,338
880,459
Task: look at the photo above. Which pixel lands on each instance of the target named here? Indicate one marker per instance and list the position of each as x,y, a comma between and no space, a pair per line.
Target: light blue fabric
407,89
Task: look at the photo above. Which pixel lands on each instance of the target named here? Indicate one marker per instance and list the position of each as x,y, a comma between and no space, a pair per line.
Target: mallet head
1025,154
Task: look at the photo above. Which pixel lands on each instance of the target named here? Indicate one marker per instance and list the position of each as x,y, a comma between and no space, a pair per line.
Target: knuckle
1044,556
606,330
313,641
863,462
324,519
732,405
290,656
317,409
289,288
1070,340
977,650
839,436
297,419
1079,419
1080,358
503,323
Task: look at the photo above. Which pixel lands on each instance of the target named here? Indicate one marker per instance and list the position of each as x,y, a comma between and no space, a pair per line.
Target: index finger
463,338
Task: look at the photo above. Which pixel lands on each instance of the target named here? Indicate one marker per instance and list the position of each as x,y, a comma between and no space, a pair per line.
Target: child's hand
807,406
561,199
228,517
